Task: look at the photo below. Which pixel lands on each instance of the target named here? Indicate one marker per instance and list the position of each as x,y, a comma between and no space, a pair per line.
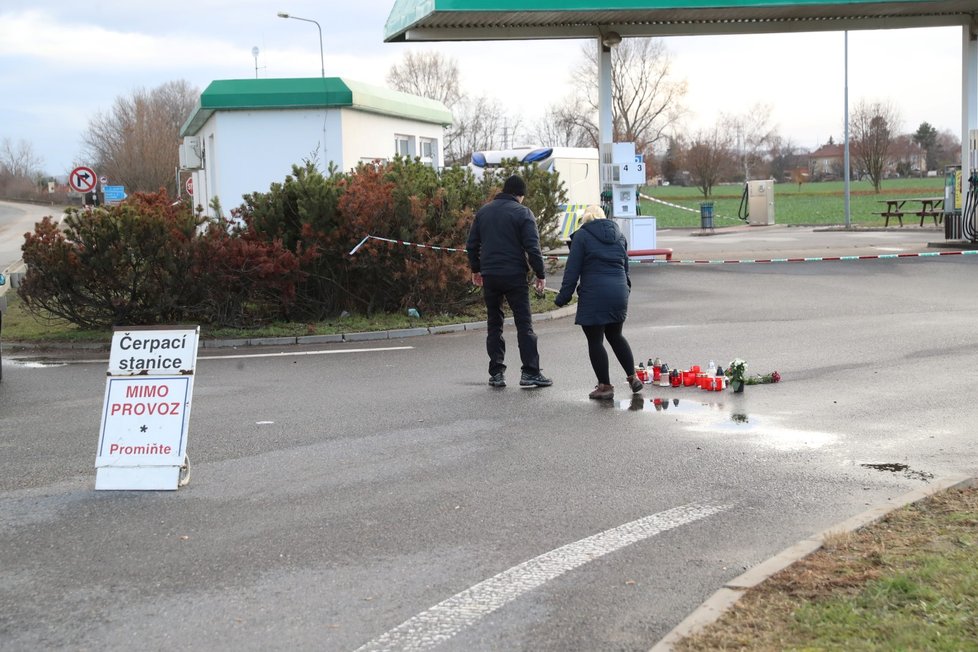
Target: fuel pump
743,211
961,198
969,228
757,202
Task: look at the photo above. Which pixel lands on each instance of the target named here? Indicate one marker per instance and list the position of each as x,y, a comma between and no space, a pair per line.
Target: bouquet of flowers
763,379
737,371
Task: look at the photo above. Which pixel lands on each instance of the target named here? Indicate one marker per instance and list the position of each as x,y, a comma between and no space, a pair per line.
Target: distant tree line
648,109
135,142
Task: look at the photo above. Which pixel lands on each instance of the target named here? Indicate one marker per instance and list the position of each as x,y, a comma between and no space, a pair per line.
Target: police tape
665,203
811,259
684,208
704,261
405,243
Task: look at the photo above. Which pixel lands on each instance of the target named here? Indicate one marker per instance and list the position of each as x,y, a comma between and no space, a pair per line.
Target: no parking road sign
82,179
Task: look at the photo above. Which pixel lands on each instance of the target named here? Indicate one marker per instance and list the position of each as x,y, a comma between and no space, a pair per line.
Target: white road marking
446,619
286,353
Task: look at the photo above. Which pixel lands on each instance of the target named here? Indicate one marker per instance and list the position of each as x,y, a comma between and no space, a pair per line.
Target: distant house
246,134
908,157
827,162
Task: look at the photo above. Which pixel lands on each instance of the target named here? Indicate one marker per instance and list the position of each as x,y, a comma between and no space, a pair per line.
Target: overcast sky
61,62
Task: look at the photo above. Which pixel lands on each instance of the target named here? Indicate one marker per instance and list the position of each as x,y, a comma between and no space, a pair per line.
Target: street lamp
322,61
254,53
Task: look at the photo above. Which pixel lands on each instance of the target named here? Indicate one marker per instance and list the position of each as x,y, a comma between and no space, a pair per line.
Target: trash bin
706,215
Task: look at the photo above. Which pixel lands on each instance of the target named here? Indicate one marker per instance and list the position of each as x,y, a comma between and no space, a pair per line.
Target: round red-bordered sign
190,186
82,179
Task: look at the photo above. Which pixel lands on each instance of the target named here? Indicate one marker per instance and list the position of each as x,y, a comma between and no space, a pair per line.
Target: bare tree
873,126
20,169
754,135
710,156
948,149
564,125
19,160
786,163
428,74
646,101
135,144
479,124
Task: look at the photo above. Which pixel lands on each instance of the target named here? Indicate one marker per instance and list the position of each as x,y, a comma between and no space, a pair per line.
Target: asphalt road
380,495
16,219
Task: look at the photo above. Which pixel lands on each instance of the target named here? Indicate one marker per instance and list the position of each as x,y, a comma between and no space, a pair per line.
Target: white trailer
577,167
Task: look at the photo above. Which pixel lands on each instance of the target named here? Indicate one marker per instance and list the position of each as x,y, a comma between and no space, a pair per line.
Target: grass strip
907,582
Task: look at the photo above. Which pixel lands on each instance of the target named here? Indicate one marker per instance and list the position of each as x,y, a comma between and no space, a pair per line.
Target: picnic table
928,207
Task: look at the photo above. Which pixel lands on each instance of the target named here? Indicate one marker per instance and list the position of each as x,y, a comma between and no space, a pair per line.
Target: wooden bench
889,214
938,216
926,207
648,253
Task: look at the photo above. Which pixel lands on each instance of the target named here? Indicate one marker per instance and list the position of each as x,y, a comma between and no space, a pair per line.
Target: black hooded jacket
504,240
599,260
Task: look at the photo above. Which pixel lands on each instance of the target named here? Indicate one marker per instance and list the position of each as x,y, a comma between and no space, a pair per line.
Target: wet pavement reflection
675,405
728,417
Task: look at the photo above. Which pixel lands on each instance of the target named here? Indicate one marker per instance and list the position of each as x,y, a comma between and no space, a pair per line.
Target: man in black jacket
503,245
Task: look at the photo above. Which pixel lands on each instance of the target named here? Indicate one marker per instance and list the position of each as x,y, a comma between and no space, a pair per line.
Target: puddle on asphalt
690,408
714,417
897,467
677,406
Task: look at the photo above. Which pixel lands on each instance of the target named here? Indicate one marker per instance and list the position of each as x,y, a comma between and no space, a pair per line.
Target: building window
404,145
429,151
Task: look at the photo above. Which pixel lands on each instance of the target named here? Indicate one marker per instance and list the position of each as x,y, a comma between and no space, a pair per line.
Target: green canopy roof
473,20
311,93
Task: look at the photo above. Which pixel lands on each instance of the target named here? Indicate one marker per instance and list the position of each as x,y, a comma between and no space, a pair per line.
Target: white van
578,168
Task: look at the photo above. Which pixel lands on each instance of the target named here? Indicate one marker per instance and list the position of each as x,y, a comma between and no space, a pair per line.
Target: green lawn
811,204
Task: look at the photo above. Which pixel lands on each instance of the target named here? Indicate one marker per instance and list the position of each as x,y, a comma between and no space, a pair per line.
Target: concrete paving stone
271,341
223,344
363,337
319,339
407,332
708,613
476,326
448,328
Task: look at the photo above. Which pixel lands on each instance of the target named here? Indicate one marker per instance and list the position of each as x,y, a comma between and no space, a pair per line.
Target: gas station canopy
609,21
474,20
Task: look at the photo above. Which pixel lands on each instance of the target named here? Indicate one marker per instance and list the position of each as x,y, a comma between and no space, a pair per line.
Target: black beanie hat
515,186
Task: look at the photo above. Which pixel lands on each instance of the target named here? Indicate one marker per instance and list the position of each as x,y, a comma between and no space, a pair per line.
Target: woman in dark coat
599,260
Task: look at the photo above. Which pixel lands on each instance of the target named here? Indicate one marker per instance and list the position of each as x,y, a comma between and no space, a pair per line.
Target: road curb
365,336
725,598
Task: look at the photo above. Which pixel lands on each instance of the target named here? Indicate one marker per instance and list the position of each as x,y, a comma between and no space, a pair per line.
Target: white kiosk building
246,134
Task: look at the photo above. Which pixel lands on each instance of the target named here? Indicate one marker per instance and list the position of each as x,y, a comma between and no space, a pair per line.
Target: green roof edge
311,92
406,13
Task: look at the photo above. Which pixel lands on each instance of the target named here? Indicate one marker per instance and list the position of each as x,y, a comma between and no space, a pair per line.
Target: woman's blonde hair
592,212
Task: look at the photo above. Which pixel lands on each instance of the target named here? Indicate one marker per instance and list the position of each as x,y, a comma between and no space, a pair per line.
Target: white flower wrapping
737,369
